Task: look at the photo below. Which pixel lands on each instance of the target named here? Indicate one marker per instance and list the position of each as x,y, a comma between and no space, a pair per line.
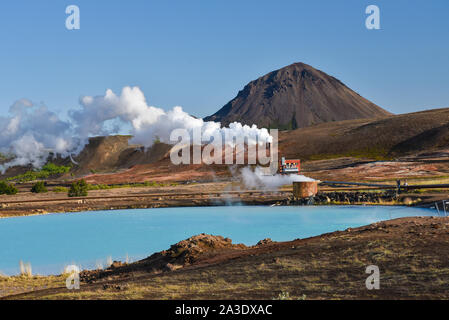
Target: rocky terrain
181,254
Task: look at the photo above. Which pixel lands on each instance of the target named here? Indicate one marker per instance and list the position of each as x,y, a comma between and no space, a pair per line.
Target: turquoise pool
50,242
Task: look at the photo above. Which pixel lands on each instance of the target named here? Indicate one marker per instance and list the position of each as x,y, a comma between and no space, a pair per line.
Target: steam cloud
259,179
31,133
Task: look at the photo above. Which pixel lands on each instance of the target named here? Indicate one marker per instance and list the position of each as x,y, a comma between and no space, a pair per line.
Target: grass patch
60,189
46,171
10,285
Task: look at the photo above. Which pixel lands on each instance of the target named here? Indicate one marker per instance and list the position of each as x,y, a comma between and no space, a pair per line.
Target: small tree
39,187
78,189
8,189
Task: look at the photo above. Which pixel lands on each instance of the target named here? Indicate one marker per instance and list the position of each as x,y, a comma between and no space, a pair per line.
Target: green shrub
60,189
99,187
8,189
39,187
52,168
78,189
48,170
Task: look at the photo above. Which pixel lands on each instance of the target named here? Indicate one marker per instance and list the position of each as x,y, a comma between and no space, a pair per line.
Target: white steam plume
260,179
147,122
31,133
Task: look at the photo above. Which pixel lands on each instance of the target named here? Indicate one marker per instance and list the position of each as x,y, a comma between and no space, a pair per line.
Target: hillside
395,136
293,97
106,154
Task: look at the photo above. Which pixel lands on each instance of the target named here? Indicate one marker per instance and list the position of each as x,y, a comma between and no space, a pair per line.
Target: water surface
50,242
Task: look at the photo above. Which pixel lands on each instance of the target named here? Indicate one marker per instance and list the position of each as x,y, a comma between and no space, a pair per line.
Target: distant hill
293,97
392,137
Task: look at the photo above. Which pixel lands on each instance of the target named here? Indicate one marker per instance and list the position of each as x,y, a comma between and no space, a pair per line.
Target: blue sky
199,53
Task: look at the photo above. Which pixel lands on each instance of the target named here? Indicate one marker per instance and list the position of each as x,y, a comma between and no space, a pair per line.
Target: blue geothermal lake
51,242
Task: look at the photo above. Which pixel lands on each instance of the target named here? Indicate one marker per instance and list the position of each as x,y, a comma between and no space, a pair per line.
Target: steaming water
50,242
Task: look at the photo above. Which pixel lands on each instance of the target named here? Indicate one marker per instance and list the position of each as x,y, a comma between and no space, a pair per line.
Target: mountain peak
296,96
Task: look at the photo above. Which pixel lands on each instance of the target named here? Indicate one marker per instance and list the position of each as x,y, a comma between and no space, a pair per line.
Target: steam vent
305,189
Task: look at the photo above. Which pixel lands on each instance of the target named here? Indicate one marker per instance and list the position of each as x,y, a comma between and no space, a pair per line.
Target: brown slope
430,140
395,136
294,97
107,154
101,153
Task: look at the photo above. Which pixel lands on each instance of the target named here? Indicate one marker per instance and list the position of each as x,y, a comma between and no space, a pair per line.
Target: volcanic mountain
293,97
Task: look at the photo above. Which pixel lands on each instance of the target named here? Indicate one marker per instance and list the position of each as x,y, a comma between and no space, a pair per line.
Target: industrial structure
289,166
304,189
